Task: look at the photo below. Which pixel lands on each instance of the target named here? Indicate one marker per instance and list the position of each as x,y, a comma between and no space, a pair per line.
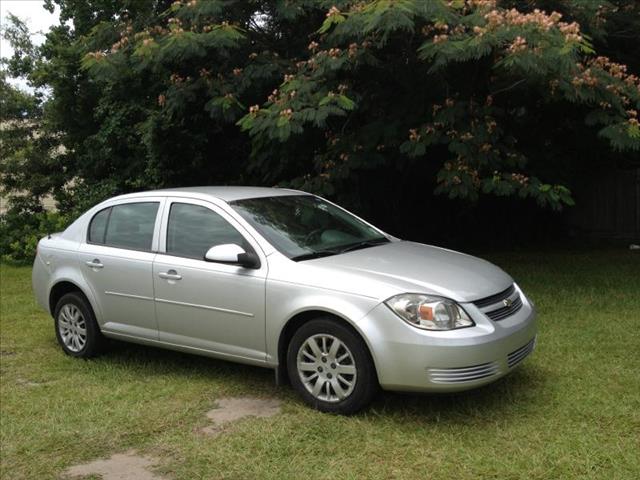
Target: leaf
345,102
330,21
246,122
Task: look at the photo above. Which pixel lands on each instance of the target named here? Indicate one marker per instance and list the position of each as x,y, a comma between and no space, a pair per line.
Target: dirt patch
121,466
231,409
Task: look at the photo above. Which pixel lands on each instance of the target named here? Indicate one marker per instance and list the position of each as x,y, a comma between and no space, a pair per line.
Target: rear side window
125,226
192,230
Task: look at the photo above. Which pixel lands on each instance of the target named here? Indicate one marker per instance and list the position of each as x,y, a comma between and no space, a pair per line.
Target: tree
458,84
29,167
377,104
385,82
382,85
154,100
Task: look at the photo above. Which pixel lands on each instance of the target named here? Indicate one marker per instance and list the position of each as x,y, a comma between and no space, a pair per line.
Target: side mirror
232,254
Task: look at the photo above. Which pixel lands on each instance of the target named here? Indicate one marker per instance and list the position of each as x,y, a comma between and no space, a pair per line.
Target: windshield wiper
348,248
318,254
364,244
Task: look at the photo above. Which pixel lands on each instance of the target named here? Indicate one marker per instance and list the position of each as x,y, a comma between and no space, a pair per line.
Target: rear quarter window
98,226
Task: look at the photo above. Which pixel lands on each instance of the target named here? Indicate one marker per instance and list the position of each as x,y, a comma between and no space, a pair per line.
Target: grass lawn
571,411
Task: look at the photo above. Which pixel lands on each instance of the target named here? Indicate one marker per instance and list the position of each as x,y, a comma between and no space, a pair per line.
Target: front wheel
330,366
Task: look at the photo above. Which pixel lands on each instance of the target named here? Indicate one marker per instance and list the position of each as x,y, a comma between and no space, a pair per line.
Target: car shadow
516,394
523,392
152,361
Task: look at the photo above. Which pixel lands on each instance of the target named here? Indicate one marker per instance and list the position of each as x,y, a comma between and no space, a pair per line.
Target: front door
212,307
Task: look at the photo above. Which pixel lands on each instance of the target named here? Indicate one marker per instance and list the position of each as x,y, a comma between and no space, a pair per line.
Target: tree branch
512,86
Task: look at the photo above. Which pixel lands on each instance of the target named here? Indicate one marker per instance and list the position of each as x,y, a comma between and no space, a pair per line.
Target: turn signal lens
426,312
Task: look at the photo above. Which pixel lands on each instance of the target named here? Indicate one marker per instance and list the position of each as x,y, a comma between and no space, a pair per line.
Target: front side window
129,226
193,229
304,226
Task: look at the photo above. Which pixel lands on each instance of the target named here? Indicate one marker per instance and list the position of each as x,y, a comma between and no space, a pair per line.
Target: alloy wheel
72,327
327,368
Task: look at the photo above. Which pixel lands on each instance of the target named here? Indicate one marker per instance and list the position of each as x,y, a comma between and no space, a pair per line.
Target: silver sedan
285,280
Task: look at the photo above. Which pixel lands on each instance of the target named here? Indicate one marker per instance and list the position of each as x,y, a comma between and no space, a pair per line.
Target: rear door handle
95,263
170,275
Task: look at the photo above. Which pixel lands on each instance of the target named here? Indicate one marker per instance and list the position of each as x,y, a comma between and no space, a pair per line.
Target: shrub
20,232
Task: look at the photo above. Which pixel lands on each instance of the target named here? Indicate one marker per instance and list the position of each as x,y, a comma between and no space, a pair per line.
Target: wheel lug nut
333,365
320,369
329,375
324,360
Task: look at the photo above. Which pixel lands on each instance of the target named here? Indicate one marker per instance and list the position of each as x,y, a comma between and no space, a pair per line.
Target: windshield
304,226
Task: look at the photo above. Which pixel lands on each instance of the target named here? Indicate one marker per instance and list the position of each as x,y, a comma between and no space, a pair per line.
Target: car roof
224,193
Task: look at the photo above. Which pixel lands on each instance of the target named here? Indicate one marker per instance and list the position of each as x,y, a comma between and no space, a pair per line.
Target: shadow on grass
150,361
522,392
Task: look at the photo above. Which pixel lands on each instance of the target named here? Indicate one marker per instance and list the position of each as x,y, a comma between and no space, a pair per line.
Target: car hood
401,266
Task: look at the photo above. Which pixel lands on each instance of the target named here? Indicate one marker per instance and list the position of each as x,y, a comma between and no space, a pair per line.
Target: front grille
497,298
504,312
520,354
463,374
501,305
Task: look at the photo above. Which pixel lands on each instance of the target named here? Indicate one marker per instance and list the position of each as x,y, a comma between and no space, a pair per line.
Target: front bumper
410,359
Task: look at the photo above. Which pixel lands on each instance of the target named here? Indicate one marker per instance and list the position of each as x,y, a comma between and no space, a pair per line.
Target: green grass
571,411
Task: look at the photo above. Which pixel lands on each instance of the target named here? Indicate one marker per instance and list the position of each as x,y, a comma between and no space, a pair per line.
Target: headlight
429,312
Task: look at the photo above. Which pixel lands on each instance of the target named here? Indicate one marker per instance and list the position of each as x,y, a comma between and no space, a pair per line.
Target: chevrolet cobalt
285,280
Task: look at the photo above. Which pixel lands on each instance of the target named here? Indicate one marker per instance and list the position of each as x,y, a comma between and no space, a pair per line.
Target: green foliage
21,230
467,98
16,32
29,163
512,56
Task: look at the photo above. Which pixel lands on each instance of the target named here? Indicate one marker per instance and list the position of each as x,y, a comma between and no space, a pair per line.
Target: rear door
208,306
116,259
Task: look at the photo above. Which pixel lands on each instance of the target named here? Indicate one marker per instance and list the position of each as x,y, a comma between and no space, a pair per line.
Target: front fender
285,301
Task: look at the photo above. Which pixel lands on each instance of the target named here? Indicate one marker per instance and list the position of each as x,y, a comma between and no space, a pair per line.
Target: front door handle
95,263
170,275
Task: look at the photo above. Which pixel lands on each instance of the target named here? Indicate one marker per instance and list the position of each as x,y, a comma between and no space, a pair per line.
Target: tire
315,371
76,328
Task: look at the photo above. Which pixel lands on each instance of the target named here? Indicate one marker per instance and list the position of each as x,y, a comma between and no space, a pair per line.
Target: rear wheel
76,328
330,366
